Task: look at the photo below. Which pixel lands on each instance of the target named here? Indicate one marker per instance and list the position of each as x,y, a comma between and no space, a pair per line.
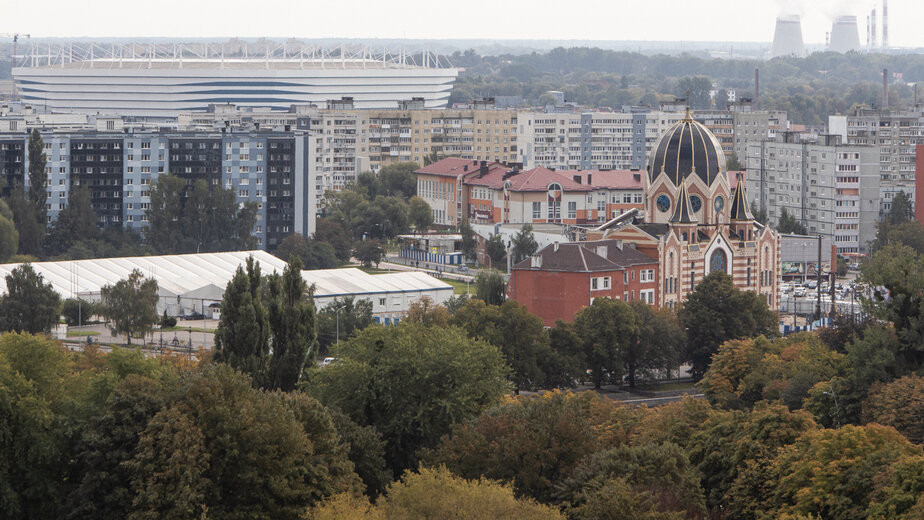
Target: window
572,209
537,210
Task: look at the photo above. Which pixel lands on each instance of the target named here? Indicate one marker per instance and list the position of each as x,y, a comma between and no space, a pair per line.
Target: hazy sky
682,20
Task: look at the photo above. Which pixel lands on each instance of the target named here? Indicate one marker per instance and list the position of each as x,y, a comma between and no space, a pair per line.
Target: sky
649,20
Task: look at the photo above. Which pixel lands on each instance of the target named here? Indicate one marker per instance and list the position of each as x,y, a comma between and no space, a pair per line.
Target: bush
77,311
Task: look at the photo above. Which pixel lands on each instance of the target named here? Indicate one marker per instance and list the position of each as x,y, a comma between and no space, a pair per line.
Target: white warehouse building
190,283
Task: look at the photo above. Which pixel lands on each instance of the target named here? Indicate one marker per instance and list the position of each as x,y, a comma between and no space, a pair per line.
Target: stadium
163,80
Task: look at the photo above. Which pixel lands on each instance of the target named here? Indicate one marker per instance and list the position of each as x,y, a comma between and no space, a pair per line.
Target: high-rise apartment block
829,186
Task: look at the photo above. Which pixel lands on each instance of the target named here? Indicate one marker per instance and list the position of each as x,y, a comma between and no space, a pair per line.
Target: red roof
455,166
609,179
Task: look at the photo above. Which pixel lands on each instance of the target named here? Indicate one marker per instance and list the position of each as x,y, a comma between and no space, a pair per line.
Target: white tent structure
190,283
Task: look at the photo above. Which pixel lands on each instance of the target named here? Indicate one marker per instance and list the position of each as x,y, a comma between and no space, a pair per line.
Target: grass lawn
77,333
183,329
459,287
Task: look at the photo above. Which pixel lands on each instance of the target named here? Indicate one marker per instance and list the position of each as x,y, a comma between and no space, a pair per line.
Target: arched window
718,261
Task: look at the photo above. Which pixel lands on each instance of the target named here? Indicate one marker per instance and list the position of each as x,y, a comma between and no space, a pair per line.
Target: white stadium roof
205,276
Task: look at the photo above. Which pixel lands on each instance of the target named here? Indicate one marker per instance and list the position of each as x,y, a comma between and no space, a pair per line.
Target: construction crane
15,37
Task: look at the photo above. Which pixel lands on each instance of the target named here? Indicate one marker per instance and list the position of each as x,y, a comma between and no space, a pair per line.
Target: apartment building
831,187
590,140
502,193
896,135
754,126
269,169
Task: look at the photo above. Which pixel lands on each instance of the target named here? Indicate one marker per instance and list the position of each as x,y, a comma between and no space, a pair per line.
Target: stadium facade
161,81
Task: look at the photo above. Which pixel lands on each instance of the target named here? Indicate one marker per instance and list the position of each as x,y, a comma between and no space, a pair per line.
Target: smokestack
885,89
787,37
845,35
885,24
867,33
756,89
872,29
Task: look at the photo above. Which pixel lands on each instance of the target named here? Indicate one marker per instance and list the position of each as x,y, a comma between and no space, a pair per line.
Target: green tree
340,319
658,346
437,493
491,288
242,337
424,312
733,164
901,210
899,404
469,242
165,229
411,383
420,214
25,220
524,244
399,179
518,334
533,442
715,312
696,91
327,230
789,224
496,251
760,215
231,451
30,304
910,233
37,180
828,473
131,305
9,239
606,329
292,321
312,254
369,252
566,365
76,223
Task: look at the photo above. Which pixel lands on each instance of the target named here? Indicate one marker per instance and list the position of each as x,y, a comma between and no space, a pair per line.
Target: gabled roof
740,207
607,179
683,210
595,256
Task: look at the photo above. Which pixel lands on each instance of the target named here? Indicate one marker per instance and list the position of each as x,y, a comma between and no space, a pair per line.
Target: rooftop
595,256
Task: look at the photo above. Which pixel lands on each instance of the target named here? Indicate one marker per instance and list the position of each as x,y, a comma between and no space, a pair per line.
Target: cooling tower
844,35
787,37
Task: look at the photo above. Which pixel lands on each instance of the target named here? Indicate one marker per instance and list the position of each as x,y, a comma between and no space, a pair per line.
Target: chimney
555,247
602,250
464,167
872,29
885,25
483,170
756,89
885,89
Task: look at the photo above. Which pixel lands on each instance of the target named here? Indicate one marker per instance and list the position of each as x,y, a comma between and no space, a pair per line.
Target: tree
427,313
432,157
496,251
534,442
232,451
76,223
399,179
9,239
828,473
30,304
312,254
131,305
899,404
524,244
369,252
38,178
715,312
411,383
242,337
910,233
606,329
566,365
437,493
732,163
491,288
25,220
469,242
518,334
420,214
659,344
760,215
789,224
291,315
901,210
340,319
696,91
336,235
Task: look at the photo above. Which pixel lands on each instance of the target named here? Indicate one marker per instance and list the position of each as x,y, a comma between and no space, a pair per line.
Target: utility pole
818,275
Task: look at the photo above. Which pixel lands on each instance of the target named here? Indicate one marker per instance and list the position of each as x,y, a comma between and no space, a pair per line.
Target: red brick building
560,279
